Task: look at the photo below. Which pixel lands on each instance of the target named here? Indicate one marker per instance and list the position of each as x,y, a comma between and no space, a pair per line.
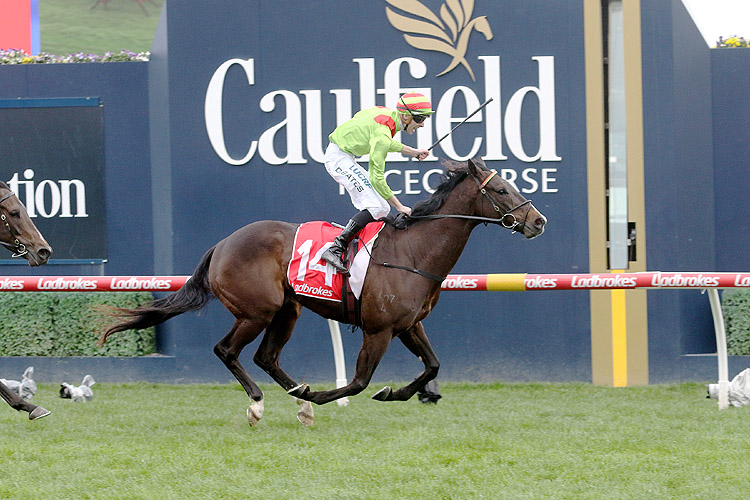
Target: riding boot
335,253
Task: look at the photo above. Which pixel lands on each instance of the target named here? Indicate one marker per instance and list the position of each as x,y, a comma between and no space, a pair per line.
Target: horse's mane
451,178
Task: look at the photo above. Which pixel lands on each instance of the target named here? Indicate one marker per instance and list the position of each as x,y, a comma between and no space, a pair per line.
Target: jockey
371,131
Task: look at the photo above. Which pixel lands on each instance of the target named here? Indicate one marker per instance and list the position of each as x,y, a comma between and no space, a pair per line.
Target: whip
461,123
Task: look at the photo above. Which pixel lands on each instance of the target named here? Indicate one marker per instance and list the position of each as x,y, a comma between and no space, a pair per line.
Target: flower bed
15,56
732,42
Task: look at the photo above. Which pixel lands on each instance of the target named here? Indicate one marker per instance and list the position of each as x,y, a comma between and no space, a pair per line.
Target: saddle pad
310,275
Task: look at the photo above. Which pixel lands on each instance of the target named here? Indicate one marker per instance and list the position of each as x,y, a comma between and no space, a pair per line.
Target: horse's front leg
19,404
374,346
415,339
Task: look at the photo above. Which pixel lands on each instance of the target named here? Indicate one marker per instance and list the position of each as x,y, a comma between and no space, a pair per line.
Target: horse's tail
194,295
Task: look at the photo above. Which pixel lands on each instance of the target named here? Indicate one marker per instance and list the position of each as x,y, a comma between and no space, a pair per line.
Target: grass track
498,441
72,26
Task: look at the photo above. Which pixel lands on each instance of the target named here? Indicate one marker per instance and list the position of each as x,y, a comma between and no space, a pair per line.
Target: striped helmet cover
417,104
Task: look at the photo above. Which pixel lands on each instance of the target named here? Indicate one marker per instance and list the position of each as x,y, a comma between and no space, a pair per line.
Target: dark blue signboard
52,154
254,93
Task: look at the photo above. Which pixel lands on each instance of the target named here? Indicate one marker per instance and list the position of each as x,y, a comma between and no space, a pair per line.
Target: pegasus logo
448,33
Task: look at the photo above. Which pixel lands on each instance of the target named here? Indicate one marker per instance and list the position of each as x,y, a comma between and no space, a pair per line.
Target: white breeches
344,169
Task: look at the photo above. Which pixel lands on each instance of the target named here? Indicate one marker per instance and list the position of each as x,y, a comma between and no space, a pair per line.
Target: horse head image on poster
19,235
247,272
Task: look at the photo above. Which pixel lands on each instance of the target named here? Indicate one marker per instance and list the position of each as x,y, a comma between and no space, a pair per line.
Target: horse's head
498,199
18,233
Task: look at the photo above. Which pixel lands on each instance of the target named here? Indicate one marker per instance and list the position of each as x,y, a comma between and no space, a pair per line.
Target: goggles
416,118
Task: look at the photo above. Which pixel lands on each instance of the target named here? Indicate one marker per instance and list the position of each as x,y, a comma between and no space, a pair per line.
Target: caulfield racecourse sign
448,33
299,149
300,132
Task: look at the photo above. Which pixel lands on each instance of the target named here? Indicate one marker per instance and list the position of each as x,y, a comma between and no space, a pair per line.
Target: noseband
507,220
18,248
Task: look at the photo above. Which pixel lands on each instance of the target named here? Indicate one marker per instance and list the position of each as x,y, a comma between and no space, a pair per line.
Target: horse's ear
479,163
473,170
450,165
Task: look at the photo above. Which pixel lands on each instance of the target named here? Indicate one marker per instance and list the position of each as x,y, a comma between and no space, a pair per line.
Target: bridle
508,220
18,248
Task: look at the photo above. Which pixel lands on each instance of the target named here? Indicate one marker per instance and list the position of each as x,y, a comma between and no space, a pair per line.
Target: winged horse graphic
449,33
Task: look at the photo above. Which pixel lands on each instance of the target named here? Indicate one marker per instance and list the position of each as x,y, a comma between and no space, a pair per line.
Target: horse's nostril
44,253
539,223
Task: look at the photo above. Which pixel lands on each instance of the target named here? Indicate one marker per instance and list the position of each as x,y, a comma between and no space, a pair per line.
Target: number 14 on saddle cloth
310,275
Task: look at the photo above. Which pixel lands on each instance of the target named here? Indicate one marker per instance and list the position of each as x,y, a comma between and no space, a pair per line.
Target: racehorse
19,235
247,272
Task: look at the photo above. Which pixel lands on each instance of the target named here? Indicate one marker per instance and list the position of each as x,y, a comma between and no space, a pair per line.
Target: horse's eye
502,192
15,213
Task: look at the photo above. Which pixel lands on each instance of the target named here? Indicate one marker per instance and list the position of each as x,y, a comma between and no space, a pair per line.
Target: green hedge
736,306
69,324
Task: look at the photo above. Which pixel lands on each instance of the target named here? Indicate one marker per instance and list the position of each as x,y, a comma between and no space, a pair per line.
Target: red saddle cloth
312,276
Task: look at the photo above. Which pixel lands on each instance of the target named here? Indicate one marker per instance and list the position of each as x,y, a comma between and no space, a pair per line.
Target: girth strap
351,305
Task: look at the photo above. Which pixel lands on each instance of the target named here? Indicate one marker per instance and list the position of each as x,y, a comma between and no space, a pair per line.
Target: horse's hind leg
228,350
277,335
267,356
19,404
415,339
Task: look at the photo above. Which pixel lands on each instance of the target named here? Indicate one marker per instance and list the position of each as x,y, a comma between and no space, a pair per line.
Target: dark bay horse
247,273
19,235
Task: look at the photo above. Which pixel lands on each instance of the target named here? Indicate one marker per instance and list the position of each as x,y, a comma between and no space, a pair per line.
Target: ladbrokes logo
306,289
449,33
460,282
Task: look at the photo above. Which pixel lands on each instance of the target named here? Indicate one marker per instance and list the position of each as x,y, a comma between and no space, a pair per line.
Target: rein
18,248
507,220
512,224
433,277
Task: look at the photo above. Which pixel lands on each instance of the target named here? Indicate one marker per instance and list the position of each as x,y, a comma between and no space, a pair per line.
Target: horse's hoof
343,401
298,390
383,394
305,413
255,412
38,412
